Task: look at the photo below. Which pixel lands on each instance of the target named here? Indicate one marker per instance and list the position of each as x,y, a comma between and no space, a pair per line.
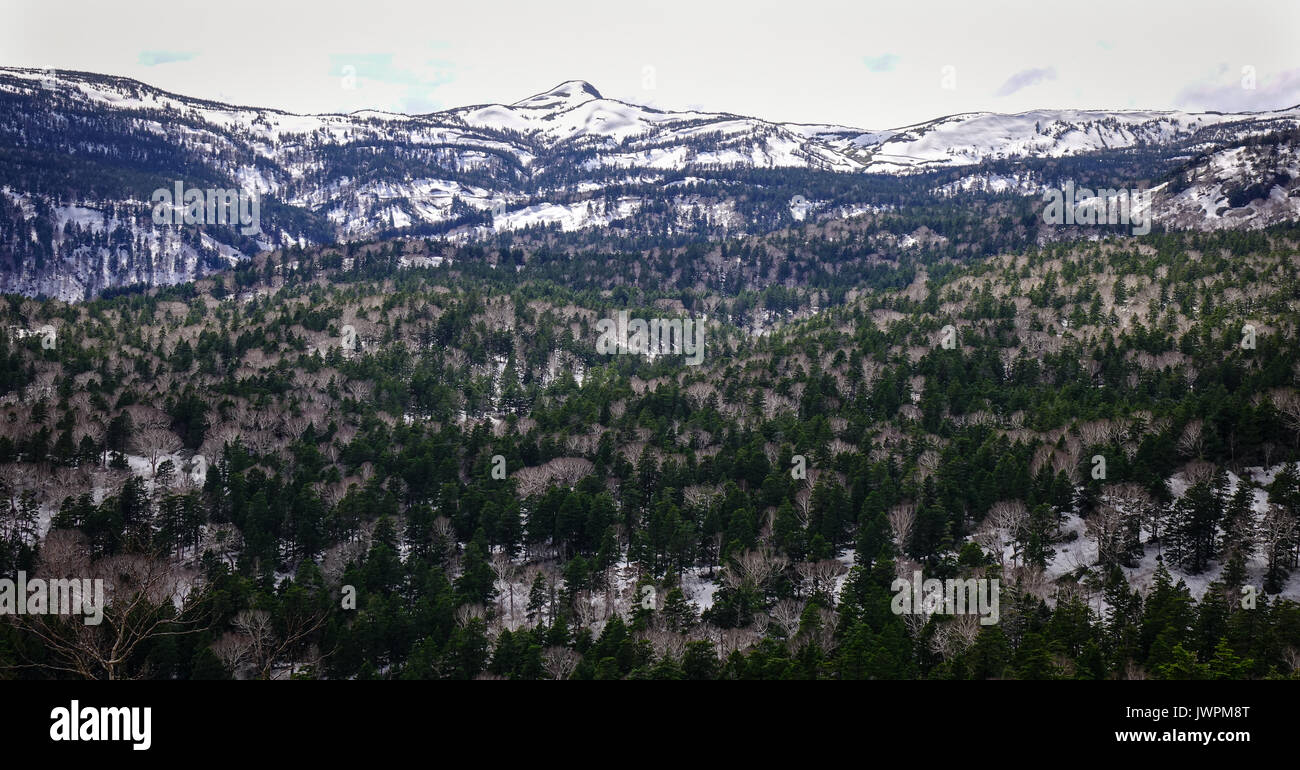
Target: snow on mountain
971,138
1249,186
471,171
631,136
567,94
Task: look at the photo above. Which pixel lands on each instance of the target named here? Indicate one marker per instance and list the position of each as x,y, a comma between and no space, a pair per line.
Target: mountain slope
81,156
319,418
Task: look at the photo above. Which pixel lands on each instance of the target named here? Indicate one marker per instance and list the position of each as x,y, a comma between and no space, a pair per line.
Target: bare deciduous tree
586,609
1199,472
1106,526
1003,525
560,662
506,569
666,643
268,646
736,640
140,597
569,470
1191,443
821,574
786,613
1096,432
155,442
955,636
235,651
1287,402
531,481
468,613
754,567
901,519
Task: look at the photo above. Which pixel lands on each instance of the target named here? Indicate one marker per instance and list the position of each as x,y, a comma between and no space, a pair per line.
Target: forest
407,459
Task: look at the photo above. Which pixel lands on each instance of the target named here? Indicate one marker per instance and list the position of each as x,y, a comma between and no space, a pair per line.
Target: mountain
81,156
1251,183
973,138
384,426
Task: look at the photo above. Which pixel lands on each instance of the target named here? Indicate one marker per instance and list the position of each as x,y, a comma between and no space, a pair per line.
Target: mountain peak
570,92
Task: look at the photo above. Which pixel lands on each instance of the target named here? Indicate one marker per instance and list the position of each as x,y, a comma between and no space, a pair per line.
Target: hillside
83,158
433,429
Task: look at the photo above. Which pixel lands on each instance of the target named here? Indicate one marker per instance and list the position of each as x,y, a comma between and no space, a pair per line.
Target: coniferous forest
407,459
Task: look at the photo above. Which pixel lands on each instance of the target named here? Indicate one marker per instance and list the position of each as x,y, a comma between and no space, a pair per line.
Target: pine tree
1227,665
538,595
990,656
1033,659
1193,531
1177,663
1239,524
679,614
477,583
700,661
788,532
1122,636
1169,609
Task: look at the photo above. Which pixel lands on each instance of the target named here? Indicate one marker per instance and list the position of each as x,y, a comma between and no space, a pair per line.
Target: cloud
387,68
406,83
1274,91
1025,79
154,58
415,104
882,63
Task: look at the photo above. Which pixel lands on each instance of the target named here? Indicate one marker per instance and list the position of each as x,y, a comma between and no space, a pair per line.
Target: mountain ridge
80,154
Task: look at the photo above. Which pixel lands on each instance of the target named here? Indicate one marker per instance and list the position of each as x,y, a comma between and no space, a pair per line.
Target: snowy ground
1082,551
137,465
1075,551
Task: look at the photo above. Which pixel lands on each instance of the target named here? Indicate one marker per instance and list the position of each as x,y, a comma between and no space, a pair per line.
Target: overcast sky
863,64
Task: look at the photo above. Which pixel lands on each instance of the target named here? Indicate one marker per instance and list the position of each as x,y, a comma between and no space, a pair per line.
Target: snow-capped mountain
1249,185
82,155
973,138
574,115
